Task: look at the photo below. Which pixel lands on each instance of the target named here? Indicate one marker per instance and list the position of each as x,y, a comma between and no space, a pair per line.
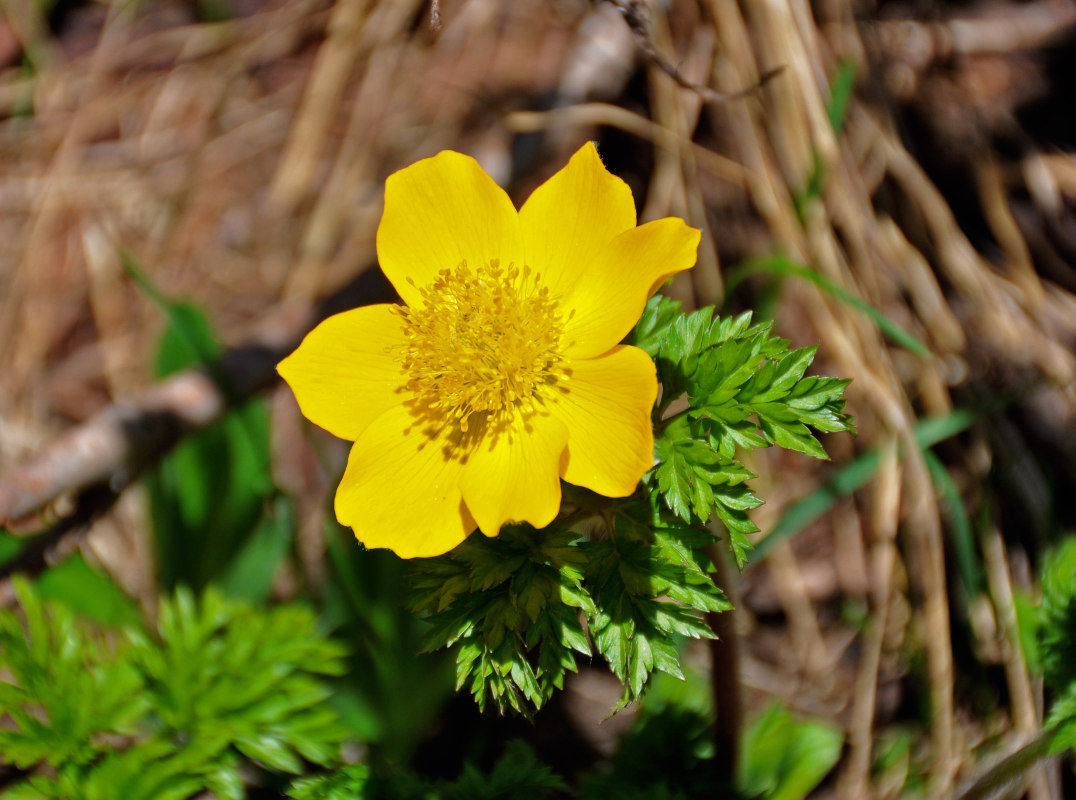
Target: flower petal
439,212
401,489
571,217
610,295
344,374
515,475
607,410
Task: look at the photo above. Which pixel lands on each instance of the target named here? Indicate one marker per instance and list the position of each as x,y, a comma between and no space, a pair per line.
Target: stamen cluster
483,342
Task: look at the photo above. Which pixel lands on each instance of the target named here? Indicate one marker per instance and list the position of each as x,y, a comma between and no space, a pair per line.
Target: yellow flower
502,374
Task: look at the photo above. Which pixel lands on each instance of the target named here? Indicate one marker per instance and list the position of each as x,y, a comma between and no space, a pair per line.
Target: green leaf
1057,618
510,606
249,576
207,496
64,686
1027,621
347,783
780,266
271,752
188,340
650,331
87,592
840,95
391,695
966,554
629,575
10,546
745,389
225,782
92,715
783,758
781,426
518,774
693,478
857,473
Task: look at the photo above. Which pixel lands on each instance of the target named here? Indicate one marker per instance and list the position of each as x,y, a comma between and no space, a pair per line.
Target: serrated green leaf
737,497
650,331
530,609
782,427
778,377
671,618
1057,619
347,783
814,392
666,657
164,718
1062,721
518,774
699,594
683,545
569,631
738,525
573,594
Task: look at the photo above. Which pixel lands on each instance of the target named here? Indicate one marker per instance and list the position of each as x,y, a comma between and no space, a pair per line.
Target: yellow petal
515,475
607,411
401,489
440,212
346,372
609,296
571,217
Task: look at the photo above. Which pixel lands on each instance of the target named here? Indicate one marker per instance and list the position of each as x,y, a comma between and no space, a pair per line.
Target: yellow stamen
483,342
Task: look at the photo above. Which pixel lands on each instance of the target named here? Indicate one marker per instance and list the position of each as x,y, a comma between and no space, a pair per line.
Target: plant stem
725,677
1009,768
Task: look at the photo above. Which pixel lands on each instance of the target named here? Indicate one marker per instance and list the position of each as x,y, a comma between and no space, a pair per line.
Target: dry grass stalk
241,163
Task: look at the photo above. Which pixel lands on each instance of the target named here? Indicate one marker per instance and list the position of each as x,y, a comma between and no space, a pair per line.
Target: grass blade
783,267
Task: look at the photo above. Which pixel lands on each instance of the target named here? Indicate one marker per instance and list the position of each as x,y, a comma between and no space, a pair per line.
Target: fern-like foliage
630,579
346,783
744,389
1056,627
1057,617
511,607
65,689
649,584
163,714
514,607
518,774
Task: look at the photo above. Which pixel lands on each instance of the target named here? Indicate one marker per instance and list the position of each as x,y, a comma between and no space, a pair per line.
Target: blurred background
895,181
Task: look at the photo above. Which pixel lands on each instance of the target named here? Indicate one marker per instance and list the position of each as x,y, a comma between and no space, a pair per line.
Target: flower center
482,344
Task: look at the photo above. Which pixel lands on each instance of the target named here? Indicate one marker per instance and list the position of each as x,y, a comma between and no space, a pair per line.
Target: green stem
1009,768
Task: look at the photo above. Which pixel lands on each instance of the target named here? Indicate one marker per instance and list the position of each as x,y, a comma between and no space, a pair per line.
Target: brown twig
93,503
116,445
1006,28
1013,766
1025,717
584,114
637,14
111,444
